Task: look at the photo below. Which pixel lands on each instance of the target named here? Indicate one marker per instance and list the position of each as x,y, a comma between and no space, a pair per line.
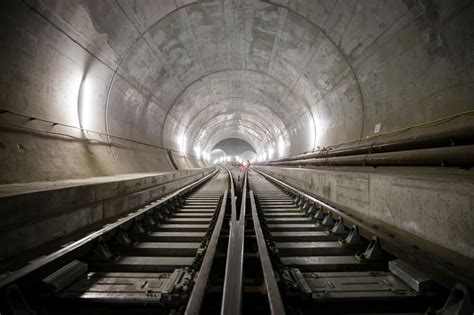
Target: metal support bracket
148,222
319,216
338,228
171,205
352,238
179,281
327,221
294,280
102,251
458,303
312,209
306,205
373,252
122,238
296,199
138,228
159,215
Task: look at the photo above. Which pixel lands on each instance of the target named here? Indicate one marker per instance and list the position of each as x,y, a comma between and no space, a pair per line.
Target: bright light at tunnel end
197,151
270,153
182,143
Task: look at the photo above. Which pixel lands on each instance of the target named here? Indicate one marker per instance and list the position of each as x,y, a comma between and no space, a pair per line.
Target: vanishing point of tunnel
289,121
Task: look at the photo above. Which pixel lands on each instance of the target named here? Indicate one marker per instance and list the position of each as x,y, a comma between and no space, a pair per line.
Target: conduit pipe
445,156
461,135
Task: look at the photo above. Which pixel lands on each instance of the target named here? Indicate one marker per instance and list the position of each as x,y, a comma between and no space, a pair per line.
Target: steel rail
273,292
441,271
73,250
244,198
233,211
199,289
233,281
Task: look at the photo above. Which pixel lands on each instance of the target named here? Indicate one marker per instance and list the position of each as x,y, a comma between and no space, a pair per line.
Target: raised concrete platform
27,188
33,214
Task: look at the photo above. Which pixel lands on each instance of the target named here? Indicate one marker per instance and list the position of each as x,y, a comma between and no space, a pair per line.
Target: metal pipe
453,137
445,156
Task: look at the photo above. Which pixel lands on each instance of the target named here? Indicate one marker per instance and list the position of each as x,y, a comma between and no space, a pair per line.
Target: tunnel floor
232,242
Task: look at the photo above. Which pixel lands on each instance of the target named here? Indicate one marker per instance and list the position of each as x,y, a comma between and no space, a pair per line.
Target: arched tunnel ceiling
183,59
213,50
289,75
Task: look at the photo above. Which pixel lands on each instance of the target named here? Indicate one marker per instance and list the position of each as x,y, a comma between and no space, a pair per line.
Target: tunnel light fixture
312,133
271,151
84,102
183,143
281,146
197,151
205,155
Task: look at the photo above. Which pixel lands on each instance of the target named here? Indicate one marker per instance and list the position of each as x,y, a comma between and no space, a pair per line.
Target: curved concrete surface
286,76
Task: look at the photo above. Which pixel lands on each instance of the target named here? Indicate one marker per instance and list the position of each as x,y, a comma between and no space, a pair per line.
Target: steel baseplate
150,288
329,286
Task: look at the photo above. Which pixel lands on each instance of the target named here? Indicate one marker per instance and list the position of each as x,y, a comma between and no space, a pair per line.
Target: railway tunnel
357,114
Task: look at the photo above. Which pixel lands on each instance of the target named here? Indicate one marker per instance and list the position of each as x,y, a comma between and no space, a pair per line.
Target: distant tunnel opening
233,149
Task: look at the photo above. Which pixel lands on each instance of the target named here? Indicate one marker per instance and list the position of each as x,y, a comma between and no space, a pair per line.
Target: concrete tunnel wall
144,77
432,203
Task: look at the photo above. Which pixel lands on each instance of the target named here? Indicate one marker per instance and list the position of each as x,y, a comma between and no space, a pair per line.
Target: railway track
318,258
255,245
146,262
302,256
321,262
